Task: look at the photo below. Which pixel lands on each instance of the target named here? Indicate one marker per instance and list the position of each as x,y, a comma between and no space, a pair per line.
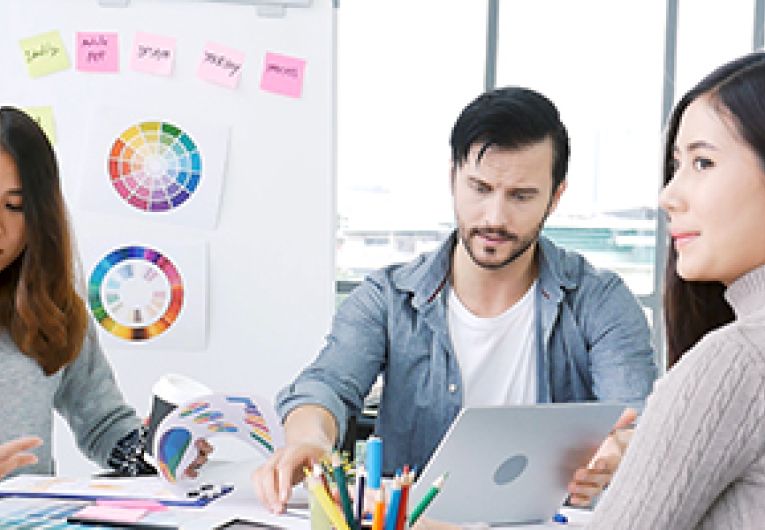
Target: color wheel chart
155,166
135,293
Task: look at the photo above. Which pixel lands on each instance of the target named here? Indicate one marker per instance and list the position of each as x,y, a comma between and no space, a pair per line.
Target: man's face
502,201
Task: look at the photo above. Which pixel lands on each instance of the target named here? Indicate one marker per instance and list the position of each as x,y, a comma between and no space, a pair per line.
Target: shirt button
452,388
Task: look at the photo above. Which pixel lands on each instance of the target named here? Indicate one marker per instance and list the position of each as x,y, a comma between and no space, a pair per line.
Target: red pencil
407,479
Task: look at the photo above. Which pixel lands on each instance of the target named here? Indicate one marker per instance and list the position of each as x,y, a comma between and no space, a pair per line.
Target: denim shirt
592,343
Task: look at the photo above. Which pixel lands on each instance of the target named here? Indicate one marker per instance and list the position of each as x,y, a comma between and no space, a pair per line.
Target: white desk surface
242,503
246,507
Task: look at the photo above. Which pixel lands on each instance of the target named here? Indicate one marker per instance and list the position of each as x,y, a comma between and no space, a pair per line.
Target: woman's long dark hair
737,89
39,305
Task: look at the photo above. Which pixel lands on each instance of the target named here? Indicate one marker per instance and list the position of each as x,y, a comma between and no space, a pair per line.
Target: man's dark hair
510,118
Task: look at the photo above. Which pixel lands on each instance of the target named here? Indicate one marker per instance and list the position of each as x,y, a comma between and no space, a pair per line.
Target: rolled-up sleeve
622,360
354,354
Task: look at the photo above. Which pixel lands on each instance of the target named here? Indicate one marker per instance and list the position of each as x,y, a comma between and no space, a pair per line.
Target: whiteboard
270,257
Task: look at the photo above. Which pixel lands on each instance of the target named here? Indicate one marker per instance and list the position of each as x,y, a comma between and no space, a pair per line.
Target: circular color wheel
135,293
155,166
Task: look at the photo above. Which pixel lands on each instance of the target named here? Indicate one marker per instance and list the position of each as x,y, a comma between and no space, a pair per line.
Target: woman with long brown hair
697,459
49,354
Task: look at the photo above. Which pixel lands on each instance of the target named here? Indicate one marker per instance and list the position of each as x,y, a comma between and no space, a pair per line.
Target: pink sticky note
97,52
111,515
140,504
283,75
221,65
153,54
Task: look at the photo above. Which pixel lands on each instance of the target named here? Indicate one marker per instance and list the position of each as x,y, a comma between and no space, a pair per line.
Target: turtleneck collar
746,295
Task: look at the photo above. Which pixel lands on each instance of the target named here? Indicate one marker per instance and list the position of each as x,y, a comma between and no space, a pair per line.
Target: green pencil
428,498
342,488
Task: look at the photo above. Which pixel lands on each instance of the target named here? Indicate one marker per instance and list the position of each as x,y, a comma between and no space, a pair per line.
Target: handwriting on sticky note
221,65
153,54
98,52
283,75
44,118
44,54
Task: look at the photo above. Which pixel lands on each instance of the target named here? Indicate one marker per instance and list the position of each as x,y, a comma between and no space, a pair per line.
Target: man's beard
522,243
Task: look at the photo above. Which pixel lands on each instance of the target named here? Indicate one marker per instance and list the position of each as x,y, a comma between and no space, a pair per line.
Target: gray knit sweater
697,459
84,393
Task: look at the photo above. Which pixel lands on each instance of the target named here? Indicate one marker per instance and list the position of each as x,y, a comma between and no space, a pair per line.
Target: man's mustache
494,233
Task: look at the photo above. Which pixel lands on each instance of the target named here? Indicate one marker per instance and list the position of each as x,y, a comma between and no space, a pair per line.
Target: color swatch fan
155,166
250,419
135,293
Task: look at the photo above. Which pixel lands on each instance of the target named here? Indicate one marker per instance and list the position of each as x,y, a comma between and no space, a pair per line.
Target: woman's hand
14,454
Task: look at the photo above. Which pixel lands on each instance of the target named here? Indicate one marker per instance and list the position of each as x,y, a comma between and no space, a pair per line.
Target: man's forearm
311,424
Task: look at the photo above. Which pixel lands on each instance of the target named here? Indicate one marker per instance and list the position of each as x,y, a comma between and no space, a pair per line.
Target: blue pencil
391,516
374,462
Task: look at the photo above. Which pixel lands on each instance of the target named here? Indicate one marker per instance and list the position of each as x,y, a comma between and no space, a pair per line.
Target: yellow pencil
333,513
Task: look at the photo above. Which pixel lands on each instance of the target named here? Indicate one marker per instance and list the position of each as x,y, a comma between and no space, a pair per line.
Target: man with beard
498,315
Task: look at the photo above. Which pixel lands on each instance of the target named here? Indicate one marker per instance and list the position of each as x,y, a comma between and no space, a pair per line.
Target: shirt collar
429,274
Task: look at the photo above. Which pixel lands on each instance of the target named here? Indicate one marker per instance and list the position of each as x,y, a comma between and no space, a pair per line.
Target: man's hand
588,482
310,432
203,450
14,454
273,480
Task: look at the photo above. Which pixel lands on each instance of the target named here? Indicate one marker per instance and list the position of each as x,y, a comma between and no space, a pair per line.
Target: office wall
270,253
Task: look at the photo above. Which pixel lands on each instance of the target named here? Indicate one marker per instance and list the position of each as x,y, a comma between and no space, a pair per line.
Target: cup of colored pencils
333,506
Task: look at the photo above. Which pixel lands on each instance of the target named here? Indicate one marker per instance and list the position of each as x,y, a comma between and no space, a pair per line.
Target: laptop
511,464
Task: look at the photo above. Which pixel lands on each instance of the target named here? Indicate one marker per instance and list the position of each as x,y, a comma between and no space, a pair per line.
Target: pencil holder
319,520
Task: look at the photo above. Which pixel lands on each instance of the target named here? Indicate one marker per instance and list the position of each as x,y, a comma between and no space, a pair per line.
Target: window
601,63
405,70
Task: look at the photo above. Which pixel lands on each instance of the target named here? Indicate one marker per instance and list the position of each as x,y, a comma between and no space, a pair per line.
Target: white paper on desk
138,488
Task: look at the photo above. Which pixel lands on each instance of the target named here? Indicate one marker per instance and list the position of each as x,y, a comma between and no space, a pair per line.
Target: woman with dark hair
697,459
49,354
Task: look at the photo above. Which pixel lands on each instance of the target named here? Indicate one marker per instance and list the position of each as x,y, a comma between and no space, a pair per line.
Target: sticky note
283,75
109,514
153,54
221,65
44,54
97,52
44,118
139,504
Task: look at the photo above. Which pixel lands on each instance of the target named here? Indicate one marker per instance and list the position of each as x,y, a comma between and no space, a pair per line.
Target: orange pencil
379,515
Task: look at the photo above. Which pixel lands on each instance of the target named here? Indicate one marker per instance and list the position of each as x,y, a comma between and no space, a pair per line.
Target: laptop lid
511,464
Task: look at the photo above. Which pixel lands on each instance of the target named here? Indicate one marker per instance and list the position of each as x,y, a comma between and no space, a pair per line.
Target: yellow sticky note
44,54
44,118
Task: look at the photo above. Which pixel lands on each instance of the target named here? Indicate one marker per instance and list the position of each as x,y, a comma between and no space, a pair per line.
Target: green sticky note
44,118
44,54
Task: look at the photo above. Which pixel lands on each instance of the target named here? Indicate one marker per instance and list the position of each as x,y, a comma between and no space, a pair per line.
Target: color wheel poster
165,168
150,293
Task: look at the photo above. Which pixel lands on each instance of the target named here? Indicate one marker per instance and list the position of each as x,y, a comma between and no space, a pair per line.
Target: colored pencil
427,499
342,487
318,472
391,518
406,480
327,504
378,520
374,462
361,477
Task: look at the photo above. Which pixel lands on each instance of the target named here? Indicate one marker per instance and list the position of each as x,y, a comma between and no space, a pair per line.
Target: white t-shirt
496,355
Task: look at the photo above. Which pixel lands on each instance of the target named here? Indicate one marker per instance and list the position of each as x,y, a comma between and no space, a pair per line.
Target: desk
227,509
244,506
241,503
